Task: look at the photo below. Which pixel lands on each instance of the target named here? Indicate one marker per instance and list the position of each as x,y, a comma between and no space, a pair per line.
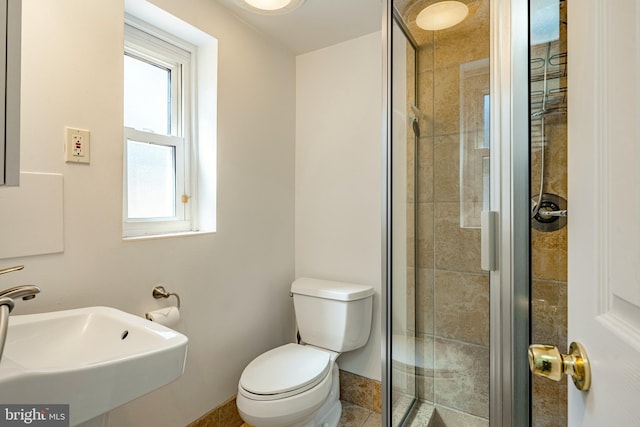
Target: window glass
151,180
161,157
147,96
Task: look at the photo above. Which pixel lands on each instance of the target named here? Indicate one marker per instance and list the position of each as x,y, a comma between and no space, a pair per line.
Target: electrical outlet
77,146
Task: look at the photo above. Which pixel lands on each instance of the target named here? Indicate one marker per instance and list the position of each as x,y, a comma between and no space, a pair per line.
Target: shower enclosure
476,238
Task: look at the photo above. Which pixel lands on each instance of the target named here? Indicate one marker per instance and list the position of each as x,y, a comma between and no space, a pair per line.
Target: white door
604,207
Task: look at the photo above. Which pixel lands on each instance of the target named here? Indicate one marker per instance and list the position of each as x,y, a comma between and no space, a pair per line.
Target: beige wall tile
410,12
549,313
424,302
425,236
467,41
555,158
425,170
549,326
549,255
411,166
456,249
411,235
467,388
377,397
425,102
425,388
403,381
445,417
425,354
426,60
549,258
411,73
549,406
446,168
446,100
462,306
359,390
411,305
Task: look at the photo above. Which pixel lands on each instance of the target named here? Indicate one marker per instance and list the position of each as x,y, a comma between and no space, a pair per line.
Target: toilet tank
333,315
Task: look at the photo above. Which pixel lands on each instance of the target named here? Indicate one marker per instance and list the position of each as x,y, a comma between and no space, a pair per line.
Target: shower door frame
509,395
414,45
510,391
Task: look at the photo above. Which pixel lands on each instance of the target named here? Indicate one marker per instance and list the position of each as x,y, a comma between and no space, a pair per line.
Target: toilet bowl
287,386
297,385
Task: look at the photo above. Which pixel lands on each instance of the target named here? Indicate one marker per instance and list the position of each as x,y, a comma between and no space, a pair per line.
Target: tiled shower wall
549,249
450,284
451,292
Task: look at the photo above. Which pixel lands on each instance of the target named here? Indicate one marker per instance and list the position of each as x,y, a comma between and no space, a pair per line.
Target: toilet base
332,417
329,413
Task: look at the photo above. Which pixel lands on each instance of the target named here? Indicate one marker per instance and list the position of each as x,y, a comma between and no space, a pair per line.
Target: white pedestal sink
94,359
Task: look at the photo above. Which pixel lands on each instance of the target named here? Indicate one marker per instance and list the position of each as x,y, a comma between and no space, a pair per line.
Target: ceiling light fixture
441,15
271,7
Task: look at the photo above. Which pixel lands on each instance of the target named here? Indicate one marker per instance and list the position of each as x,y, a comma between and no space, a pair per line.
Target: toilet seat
285,371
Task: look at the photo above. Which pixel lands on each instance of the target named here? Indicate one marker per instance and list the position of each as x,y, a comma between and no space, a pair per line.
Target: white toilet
297,385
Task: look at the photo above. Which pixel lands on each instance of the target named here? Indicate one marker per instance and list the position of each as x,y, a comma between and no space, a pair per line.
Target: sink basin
94,359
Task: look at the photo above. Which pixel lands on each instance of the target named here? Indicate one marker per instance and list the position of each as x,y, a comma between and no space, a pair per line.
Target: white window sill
167,235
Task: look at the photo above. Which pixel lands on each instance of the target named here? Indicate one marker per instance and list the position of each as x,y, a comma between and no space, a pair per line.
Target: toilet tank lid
330,289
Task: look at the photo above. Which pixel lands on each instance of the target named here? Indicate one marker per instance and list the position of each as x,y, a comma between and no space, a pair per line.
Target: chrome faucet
26,292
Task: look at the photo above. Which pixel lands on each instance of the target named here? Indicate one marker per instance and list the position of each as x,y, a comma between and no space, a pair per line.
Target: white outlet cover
77,145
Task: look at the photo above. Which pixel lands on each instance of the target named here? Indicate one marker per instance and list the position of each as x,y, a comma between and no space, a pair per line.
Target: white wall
339,174
234,283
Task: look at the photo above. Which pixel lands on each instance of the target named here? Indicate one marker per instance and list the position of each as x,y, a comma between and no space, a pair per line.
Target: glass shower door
403,369
440,186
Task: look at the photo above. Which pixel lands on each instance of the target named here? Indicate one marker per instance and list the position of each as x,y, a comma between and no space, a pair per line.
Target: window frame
150,44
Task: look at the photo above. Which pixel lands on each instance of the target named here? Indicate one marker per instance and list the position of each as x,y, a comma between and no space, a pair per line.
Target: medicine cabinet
10,34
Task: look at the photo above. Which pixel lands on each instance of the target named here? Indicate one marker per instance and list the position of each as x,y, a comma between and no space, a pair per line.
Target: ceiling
316,23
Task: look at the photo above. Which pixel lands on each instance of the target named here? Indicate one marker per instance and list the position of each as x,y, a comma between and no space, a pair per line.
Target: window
474,141
158,141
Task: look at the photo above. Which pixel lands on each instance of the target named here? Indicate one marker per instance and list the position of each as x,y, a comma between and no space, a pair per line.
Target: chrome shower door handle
488,240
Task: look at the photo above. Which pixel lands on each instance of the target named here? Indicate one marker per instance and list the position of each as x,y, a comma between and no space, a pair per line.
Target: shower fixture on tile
416,117
548,100
549,212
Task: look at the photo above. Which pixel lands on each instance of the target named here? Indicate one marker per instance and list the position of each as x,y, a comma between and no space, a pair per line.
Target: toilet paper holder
160,292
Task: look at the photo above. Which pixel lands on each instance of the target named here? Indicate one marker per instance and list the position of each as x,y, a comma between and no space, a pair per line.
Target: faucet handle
11,269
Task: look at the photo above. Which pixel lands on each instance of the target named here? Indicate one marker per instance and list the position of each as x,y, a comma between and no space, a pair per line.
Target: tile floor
355,416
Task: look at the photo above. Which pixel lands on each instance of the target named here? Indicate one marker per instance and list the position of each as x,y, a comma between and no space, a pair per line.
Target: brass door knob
547,361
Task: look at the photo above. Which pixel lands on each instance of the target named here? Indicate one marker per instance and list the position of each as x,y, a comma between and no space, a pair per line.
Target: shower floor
425,414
